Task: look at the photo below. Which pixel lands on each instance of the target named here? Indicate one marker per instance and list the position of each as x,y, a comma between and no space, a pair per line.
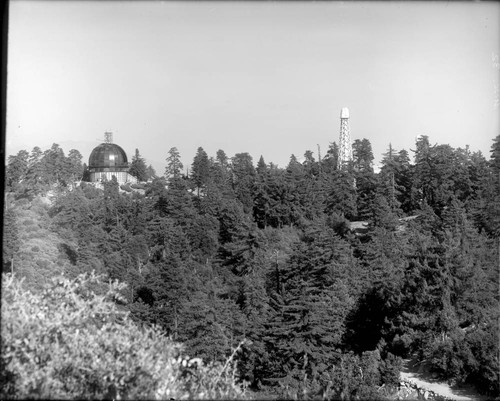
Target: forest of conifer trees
268,260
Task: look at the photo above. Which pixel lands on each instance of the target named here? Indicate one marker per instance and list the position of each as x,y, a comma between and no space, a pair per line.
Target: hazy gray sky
268,78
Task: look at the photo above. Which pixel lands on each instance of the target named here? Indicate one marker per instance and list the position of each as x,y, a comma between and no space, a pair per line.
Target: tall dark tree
341,197
174,165
310,164
422,179
404,181
55,168
220,177
491,193
388,171
200,170
306,330
11,242
495,155
86,173
150,172
261,197
362,155
17,167
138,167
75,165
36,180
330,161
243,179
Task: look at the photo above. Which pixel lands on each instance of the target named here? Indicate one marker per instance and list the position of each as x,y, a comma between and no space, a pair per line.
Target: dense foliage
72,342
329,276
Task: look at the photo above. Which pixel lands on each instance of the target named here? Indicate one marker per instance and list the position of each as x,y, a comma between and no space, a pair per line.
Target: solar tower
345,147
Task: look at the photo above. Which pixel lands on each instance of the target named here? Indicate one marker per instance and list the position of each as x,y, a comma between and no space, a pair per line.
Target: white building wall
121,176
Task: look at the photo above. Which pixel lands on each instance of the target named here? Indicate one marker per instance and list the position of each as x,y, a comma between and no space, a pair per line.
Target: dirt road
425,381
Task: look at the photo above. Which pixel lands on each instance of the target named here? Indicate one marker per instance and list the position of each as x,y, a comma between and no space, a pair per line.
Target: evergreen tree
261,198
138,167
404,181
294,177
17,167
390,165
174,165
220,177
10,239
362,155
342,195
495,155
238,239
243,179
330,161
278,190
306,329
200,170
492,201
211,322
54,167
34,183
86,173
150,173
422,178
75,165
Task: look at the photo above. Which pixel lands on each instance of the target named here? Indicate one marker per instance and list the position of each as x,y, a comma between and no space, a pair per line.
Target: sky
267,78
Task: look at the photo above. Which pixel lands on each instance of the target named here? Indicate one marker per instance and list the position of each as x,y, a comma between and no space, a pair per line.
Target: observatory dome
109,160
108,155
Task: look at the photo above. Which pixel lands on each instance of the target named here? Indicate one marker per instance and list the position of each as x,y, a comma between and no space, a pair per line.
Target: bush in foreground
72,341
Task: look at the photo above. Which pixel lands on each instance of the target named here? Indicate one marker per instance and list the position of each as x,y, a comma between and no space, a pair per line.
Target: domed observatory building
108,160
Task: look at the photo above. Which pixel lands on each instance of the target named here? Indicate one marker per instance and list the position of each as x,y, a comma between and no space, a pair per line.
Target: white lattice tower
345,146
108,137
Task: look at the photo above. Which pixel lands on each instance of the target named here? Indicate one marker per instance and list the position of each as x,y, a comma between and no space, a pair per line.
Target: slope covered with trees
239,252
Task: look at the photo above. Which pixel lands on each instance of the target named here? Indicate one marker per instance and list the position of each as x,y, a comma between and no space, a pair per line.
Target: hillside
313,281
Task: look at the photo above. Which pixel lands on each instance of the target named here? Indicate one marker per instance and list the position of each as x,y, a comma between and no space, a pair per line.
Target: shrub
42,263
72,341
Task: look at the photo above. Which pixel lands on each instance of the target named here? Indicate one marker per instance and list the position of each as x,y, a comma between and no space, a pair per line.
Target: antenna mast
108,137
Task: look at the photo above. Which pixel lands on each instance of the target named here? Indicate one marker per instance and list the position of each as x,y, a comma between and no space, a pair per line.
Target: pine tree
422,178
220,178
174,167
330,161
261,198
387,174
138,167
495,155
243,179
238,239
54,167
17,167
341,198
86,173
210,322
294,177
308,323
362,155
150,173
11,242
404,181
200,170
75,165
492,193
34,183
